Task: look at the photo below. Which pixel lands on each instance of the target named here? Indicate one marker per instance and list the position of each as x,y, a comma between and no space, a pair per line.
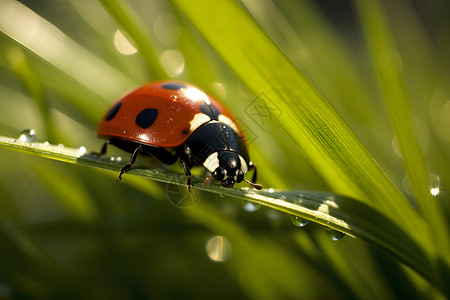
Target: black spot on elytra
146,117
173,86
113,111
210,111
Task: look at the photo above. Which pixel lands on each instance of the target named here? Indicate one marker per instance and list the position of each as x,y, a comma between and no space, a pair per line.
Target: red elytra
176,107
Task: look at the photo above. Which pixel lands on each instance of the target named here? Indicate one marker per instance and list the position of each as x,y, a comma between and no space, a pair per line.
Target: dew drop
82,150
249,206
46,144
334,234
298,221
60,145
27,136
435,185
435,191
271,190
221,195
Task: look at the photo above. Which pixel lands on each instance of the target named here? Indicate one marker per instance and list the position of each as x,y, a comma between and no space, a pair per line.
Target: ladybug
173,120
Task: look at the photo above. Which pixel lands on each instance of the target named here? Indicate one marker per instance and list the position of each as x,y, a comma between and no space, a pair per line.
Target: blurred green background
74,232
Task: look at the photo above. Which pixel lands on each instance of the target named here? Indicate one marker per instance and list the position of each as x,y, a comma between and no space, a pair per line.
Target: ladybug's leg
131,162
103,150
188,174
252,166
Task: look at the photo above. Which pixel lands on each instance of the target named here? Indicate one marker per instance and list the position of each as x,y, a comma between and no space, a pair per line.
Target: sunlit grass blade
54,47
331,210
308,119
307,39
387,61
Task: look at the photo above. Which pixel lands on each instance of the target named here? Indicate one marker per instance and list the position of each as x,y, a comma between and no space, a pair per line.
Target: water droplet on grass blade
435,185
334,234
115,158
82,150
298,221
249,206
27,136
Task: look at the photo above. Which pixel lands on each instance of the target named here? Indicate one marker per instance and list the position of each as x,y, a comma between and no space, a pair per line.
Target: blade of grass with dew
335,211
308,119
388,65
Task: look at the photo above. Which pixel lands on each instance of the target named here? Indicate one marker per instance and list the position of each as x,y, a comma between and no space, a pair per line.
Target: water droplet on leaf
435,185
249,206
28,136
82,150
334,234
298,221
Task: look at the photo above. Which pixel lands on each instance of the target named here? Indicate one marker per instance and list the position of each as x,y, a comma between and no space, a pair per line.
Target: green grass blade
335,211
308,119
124,15
54,47
387,60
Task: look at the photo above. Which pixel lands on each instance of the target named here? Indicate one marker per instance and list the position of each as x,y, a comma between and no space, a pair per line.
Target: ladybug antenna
254,185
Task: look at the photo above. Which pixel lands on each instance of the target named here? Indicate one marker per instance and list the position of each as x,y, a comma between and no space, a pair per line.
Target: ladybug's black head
231,169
